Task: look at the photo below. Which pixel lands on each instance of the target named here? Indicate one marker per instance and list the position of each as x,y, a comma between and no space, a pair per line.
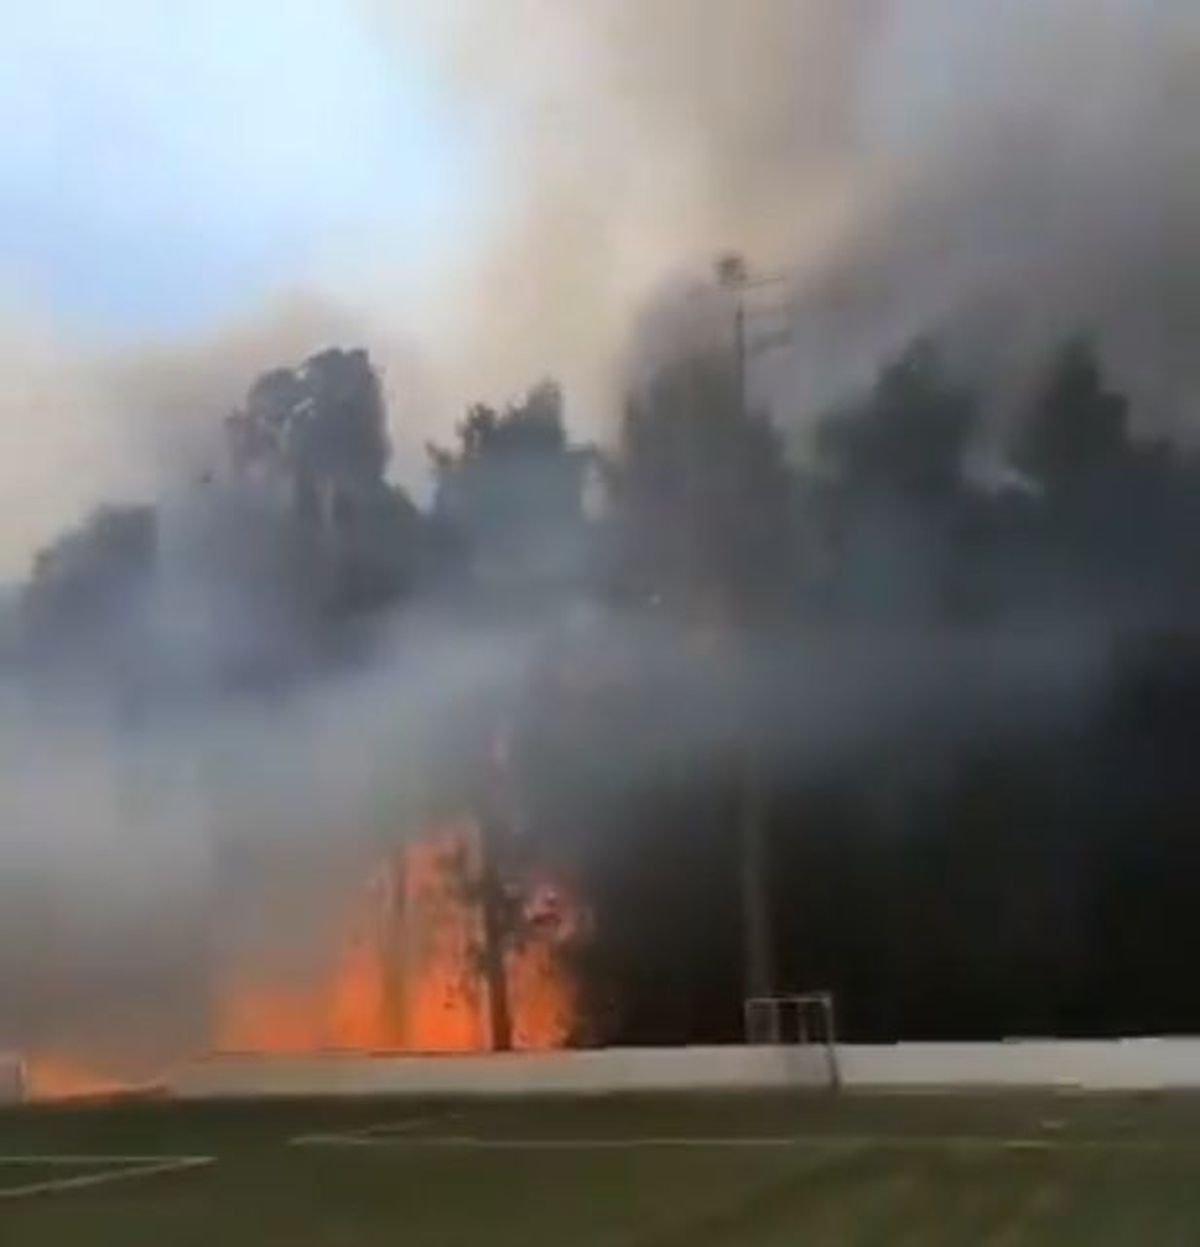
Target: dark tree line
969,697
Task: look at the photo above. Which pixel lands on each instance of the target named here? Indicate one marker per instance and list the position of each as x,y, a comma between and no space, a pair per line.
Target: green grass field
706,1171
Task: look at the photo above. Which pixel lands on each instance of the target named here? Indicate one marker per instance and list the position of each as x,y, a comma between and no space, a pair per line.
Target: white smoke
82,426
1006,172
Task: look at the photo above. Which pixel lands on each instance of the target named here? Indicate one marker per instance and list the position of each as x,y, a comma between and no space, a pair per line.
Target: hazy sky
485,192
165,163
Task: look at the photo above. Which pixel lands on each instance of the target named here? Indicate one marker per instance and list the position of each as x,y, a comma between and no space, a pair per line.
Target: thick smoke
160,856
631,142
999,173
1009,172
83,425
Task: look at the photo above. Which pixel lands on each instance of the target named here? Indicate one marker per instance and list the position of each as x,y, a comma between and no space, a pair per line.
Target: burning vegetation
409,974
643,827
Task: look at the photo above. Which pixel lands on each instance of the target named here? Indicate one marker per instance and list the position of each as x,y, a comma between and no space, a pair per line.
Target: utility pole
493,902
758,926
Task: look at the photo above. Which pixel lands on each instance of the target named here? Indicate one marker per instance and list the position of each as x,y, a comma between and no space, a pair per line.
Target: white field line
127,1168
829,1142
474,1143
89,1158
367,1135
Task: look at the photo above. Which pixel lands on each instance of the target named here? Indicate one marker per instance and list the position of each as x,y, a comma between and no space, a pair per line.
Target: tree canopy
978,696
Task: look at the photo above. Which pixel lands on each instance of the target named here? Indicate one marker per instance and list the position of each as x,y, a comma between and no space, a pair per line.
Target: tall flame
407,975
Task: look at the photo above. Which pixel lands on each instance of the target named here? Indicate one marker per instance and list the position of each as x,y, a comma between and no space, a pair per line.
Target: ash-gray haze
1010,172
1000,176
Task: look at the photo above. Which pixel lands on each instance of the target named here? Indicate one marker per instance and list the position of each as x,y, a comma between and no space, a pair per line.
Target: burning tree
510,495
621,747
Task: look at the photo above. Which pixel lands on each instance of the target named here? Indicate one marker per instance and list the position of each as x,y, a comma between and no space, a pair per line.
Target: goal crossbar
800,1018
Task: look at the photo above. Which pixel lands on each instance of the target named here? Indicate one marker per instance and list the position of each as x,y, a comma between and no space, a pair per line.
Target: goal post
802,1019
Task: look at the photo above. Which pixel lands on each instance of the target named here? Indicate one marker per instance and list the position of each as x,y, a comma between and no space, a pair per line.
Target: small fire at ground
408,975
50,1077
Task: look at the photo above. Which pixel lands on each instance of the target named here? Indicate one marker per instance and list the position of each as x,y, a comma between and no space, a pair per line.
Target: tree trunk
495,973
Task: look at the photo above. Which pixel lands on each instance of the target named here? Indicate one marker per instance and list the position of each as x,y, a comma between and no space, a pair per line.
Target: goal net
805,1020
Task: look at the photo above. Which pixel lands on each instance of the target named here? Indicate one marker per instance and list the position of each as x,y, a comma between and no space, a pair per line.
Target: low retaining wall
1095,1065
574,1073
1100,1065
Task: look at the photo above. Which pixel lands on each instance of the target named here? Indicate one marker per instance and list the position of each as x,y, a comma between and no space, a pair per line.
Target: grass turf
862,1170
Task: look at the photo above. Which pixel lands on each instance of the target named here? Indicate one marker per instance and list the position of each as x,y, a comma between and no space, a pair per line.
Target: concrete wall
1098,1065
577,1073
1133,1064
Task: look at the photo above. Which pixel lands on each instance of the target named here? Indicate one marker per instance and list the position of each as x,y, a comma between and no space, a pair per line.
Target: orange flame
407,976
49,1077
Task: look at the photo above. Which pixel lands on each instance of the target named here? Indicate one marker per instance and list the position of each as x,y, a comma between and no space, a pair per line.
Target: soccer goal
807,1019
